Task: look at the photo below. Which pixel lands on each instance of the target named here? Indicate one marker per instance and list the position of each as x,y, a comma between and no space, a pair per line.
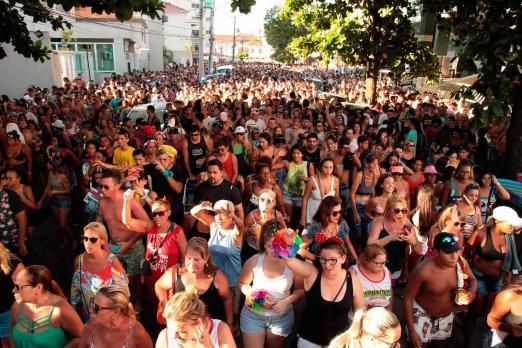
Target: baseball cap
58,124
446,242
430,169
507,215
171,123
239,129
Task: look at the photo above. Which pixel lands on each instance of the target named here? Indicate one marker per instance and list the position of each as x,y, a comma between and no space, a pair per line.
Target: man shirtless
129,249
430,295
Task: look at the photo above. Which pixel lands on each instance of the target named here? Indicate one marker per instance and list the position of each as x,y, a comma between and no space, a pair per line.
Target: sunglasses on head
398,210
158,213
93,240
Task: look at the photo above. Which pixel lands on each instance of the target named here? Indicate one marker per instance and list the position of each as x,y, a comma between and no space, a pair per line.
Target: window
195,5
195,32
105,57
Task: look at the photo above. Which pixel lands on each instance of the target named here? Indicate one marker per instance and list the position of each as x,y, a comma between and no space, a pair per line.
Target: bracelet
256,300
168,173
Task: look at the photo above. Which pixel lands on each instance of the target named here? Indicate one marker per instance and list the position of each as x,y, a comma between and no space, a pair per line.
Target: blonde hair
368,325
5,259
390,204
119,299
446,216
161,203
185,307
99,229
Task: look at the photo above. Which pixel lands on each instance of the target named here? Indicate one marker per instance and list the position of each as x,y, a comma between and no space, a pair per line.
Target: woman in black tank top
331,293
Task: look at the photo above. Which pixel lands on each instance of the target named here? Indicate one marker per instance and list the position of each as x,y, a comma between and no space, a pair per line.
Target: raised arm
137,225
200,212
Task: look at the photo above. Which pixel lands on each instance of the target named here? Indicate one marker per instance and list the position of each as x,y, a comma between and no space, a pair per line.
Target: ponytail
41,275
56,289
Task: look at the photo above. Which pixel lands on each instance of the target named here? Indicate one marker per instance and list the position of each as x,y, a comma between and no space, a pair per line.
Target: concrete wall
17,72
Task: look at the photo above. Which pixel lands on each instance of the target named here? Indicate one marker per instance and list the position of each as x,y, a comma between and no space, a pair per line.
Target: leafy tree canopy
375,34
279,32
14,31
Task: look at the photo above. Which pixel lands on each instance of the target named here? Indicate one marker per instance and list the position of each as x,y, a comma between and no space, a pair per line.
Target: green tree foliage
244,6
375,34
488,32
279,32
14,31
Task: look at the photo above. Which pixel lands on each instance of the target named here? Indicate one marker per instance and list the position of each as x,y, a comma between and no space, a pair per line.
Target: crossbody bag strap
342,286
81,290
161,243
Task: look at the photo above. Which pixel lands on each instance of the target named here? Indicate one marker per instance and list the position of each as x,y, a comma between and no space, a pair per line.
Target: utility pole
234,42
210,56
201,57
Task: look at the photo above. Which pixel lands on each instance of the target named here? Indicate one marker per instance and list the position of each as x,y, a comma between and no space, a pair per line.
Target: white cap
58,124
508,215
223,116
239,129
172,123
223,204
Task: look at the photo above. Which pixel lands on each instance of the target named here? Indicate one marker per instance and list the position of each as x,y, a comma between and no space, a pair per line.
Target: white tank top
277,288
172,343
376,294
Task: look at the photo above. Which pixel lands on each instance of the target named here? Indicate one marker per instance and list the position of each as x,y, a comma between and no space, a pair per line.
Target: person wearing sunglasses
195,150
113,322
331,292
453,188
94,269
375,277
373,328
256,219
395,233
434,290
327,223
469,210
494,253
41,315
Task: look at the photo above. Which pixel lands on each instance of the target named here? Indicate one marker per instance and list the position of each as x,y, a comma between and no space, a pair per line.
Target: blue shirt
225,253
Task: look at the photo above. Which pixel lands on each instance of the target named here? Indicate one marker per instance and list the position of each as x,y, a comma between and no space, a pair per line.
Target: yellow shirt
123,158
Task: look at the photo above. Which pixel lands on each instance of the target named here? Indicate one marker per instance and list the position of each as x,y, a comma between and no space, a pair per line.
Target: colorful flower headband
282,249
323,237
53,151
256,300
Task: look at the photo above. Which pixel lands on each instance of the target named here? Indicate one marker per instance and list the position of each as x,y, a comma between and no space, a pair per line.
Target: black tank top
194,232
196,152
211,299
323,320
488,252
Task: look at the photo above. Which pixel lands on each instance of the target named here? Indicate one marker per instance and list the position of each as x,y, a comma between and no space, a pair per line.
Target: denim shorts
62,202
5,321
280,325
290,198
486,283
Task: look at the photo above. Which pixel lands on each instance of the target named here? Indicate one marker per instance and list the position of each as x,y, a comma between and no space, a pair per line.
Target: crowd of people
255,210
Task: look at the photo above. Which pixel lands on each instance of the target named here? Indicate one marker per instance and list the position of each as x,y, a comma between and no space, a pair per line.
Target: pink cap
397,169
430,169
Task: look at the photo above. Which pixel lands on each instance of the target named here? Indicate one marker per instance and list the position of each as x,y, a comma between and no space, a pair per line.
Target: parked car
140,111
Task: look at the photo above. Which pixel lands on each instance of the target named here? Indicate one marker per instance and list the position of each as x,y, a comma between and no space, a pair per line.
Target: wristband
167,173
256,300
283,250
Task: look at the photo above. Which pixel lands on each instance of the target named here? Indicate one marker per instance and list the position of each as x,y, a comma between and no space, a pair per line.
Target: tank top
488,252
167,255
363,189
125,344
454,194
395,250
323,320
470,224
293,184
376,294
196,152
277,288
172,343
52,337
228,167
225,253
211,298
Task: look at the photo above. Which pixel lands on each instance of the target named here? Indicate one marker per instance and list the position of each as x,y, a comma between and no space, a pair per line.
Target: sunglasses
379,263
93,240
266,199
458,223
194,134
335,213
19,287
397,211
95,308
324,261
158,213
104,187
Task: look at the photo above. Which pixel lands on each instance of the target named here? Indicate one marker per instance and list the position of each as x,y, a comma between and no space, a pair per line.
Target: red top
228,167
167,255
413,184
